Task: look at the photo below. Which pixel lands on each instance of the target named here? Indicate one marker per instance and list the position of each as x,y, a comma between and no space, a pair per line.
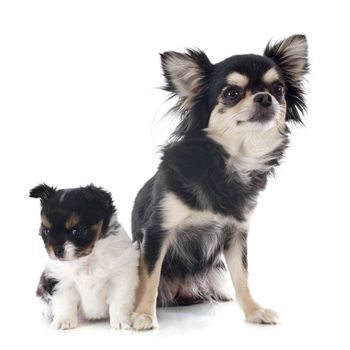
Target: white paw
144,321
64,322
263,316
46,312
120,323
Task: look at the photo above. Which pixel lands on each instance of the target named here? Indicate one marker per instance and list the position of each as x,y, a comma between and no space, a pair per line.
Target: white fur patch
248,143
69,251
177,214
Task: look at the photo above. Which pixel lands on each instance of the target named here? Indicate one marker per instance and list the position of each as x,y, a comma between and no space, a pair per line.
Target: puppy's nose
59,251
264,100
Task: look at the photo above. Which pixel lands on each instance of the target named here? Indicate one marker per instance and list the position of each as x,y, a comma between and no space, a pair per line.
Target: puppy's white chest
93,292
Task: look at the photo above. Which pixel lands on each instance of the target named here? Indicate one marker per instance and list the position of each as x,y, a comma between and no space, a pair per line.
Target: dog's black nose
264,100
59,251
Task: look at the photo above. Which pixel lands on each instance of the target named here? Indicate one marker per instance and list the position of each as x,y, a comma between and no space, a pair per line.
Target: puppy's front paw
120,322
46,311
64,322
144,321
263,316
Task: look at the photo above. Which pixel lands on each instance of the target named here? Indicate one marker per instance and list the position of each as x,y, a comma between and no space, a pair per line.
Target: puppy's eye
233,93
46,231
76,232
278,90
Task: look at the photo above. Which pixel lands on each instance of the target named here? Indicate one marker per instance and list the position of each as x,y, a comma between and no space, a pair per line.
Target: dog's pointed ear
42,191
187,77
186,73
291,56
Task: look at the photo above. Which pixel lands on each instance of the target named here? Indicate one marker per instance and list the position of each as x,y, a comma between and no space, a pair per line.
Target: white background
79,103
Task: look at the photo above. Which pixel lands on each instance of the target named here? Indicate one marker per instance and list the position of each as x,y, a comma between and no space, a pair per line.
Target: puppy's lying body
232,134
93,271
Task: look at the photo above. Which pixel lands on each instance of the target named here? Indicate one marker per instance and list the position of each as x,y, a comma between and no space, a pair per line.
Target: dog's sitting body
232,133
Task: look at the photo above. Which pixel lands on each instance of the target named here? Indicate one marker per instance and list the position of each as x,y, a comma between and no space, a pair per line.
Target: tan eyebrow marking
270,76
236,78
45,221
72,221
97,229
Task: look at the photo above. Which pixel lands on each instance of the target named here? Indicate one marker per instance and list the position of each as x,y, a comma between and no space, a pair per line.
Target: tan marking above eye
238,79
270,76
97,229
45,221
72,221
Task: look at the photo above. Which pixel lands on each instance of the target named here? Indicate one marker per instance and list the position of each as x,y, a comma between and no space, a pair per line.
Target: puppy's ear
42,191
291,56
101,196
103,199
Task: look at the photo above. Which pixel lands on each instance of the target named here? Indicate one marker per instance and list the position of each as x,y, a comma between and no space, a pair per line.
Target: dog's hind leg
203,286
217,283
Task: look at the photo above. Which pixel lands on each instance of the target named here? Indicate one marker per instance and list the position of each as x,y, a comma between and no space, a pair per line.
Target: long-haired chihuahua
232,133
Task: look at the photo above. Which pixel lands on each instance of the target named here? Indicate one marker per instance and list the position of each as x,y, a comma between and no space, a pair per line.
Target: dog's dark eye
278,90
76,232
233,93
46,231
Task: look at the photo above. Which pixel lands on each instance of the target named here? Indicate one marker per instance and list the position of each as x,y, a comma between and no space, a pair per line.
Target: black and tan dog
231,135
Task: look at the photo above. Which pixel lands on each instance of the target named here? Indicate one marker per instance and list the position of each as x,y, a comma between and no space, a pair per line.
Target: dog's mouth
258,115
65,252
263,115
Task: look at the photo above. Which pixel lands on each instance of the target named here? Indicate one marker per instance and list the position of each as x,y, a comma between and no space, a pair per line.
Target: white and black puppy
93,267
231,135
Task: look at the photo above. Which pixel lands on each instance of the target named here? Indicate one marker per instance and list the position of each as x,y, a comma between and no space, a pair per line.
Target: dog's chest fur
213,190
203,195
223,178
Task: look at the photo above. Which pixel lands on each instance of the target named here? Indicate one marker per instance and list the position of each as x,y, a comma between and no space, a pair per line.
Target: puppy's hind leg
153,251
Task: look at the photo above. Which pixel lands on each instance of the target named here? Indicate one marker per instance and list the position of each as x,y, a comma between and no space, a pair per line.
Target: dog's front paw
263,316
144,321
64,322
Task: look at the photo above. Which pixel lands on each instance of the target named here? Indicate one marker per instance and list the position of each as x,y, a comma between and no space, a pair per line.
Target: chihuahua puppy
93,267
232,133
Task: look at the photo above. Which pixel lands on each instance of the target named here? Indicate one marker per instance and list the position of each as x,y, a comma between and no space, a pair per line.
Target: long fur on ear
186,76
104,200
291,56
100,195
42,191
